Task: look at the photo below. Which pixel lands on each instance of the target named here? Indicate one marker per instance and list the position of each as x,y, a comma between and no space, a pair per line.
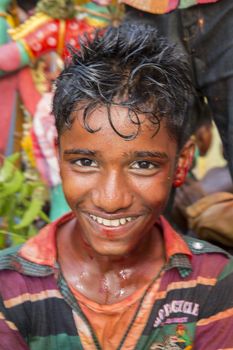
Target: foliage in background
21,203
61,9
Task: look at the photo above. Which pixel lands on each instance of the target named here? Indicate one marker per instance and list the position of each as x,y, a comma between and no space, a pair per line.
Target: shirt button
197,245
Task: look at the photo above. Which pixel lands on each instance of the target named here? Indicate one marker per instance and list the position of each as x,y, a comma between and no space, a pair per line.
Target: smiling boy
113,274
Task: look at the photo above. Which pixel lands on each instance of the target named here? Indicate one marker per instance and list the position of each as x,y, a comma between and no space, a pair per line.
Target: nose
113,193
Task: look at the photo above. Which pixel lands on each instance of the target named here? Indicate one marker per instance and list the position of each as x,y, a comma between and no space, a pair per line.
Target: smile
111,223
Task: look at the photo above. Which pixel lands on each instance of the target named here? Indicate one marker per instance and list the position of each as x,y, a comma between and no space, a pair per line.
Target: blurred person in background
203,30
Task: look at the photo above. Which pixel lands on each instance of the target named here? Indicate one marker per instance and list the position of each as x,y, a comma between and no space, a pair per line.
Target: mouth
119,230
112,223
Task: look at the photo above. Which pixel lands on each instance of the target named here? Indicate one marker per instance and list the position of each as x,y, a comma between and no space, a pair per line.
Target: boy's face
116,188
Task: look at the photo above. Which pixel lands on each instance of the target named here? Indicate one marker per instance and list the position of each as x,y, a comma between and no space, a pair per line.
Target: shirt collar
174,243
178,254
42,249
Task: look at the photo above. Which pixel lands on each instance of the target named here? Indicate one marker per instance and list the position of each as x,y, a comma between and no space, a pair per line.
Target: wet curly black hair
132,67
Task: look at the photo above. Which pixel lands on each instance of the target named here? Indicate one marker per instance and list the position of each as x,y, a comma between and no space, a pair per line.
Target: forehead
116,128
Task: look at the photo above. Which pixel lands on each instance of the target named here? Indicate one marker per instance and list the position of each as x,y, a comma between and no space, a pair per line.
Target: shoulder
210,261
200,247
8,256
16,270
21,279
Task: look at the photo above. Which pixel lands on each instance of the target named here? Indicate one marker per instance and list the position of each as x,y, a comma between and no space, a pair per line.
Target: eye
143,164
85,162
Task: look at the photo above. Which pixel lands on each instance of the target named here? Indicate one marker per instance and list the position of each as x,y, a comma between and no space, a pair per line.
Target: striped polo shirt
189,306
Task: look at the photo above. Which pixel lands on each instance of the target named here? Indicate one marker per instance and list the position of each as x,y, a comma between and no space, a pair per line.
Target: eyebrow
83,151
137,154
150,154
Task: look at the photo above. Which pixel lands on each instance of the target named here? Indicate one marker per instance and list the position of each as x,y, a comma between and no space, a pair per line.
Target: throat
109,280
114,286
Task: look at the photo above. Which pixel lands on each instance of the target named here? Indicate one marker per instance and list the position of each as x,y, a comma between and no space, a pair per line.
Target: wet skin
110,178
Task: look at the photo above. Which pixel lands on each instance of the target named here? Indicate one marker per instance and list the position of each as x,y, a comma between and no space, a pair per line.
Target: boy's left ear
184,162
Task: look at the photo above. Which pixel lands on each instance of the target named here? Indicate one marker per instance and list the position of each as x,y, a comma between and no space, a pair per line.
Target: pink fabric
9,57
9,85
44,135
28,91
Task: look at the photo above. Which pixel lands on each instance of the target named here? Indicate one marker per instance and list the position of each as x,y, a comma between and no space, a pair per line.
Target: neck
114,277
149,248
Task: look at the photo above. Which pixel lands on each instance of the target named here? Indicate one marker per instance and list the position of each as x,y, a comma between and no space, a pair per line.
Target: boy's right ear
185,162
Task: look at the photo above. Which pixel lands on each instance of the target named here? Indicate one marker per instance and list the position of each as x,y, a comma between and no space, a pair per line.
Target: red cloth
20,82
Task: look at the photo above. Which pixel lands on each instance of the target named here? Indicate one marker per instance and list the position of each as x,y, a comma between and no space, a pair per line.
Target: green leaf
13,185
7,170
2,239
16,238
44,217
31,214
21,203
13,157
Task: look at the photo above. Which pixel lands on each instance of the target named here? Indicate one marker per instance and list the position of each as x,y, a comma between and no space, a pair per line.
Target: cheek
75,187
154,191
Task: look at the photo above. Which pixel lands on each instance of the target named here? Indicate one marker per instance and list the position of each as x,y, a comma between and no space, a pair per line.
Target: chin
113,250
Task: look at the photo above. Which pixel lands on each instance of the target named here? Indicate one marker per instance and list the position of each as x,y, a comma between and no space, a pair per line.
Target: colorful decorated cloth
188,306
44,135
19,84
164,6
40,34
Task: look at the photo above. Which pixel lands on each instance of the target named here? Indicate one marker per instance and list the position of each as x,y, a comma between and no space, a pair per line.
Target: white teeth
111,223
99,220
123,221
115,223
106,222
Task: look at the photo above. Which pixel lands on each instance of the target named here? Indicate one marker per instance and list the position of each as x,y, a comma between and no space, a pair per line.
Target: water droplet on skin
79,287
125,274
122,292
122,274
